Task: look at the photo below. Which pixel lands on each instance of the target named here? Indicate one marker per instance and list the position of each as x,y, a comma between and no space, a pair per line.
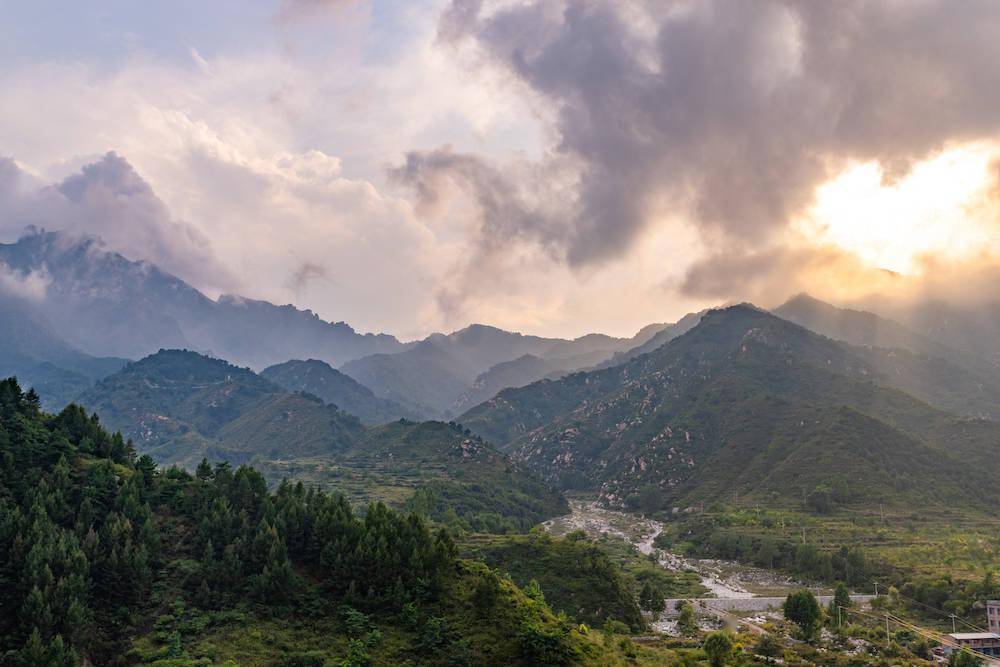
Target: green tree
542,646
686,624
963,659
651,598
534,591
767,646
841,600
802,609
719,648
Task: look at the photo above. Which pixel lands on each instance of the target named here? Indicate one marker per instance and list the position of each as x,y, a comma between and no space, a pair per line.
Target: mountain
42,360
434,468
749,403
661,336
108,305
514,373
180,406
941,375
444,374
973,328
106,559
857,327
319,379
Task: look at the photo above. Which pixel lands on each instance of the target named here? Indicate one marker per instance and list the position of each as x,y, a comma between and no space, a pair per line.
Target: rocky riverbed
723,579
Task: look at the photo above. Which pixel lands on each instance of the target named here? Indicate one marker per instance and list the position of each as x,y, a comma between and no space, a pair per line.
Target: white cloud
30,286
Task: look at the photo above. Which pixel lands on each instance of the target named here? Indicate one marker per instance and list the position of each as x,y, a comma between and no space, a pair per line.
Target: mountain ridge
741,381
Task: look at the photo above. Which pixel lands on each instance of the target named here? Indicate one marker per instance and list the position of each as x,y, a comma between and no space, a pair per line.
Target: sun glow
940,208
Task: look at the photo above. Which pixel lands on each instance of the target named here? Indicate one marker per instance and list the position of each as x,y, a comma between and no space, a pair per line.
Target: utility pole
838,615
887,640
876,589
953,623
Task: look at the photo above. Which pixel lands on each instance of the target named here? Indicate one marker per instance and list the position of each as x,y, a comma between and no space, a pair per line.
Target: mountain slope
445,374
107,560
659,338
515,373
108,305
948,378
319,379
181,406
857,327
42,360
745,401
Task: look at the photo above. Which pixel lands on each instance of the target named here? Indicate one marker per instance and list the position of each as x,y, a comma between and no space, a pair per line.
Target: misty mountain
941,375
42,360
662,335
857,327
318,378
445,373
514,373
970,327
748,402
108,305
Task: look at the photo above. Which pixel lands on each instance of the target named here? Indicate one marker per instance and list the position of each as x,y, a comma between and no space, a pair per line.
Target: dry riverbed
724,579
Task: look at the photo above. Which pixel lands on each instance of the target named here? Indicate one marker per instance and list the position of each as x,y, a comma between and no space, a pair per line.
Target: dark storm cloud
730,113
502,198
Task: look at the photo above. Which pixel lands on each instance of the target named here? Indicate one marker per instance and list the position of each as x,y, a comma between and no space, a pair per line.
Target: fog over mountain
109,305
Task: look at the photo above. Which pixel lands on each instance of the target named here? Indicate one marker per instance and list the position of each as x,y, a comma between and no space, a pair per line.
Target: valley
589,491
721,579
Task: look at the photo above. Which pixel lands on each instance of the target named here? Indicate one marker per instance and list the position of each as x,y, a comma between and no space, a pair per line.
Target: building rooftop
973,635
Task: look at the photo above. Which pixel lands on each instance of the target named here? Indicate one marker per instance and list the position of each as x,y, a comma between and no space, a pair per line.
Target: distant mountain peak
109,305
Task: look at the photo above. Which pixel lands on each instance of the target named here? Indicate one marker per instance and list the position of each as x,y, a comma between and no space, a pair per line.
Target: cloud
730,114
30,286
305,274
108,199
297,10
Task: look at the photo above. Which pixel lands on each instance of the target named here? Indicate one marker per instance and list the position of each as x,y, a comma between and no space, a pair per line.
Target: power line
938,637
945,613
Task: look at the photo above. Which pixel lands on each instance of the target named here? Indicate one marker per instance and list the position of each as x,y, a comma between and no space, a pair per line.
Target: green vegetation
718,647
435,469
750,404
319,379
941,562
180,407
100,547
575,575
802,609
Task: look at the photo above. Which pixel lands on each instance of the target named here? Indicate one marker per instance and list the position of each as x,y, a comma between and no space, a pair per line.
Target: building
987,643
993,616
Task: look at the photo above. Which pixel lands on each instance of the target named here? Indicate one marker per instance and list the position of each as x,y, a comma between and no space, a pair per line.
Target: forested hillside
320,379
107,559
743,402
179,407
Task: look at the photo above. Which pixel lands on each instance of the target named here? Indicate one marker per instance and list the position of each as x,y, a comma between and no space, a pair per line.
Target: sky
550,166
